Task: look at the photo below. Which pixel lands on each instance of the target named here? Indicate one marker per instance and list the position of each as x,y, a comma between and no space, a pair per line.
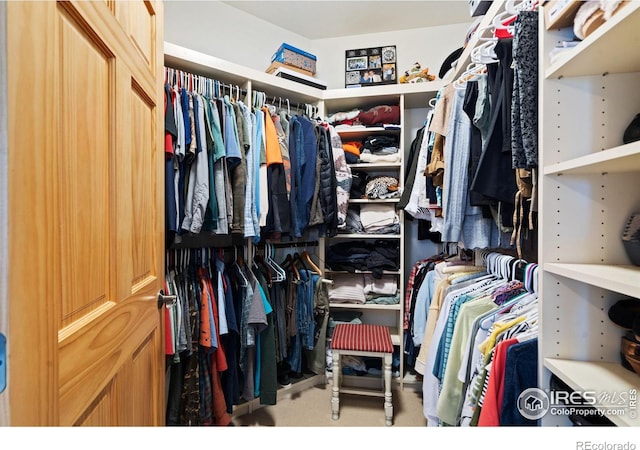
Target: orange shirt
274,155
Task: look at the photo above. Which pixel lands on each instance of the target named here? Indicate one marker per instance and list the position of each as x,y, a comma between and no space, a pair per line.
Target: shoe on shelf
635,328
624,311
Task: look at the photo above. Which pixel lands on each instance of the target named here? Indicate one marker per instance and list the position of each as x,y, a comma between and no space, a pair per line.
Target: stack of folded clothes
372,219
381,187
364,288
379,218
352,151
377,116
374,255
380,149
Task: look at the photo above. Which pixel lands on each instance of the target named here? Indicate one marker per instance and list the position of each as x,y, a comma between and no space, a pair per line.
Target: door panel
86,206
142,163
85,80
101,411
138,20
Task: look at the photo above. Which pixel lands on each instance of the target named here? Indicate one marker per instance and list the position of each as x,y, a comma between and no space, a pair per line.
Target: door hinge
3,362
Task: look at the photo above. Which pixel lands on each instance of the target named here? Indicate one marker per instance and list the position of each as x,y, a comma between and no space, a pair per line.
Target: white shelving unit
406,96
584,375
587,192
344,100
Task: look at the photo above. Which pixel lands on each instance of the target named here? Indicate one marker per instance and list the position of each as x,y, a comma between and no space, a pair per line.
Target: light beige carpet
312,408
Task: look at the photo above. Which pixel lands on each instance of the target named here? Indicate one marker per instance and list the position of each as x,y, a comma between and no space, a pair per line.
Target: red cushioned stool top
362,337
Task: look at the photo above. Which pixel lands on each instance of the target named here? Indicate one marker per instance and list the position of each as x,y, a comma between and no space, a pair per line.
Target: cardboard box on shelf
560,13
276,65
288,54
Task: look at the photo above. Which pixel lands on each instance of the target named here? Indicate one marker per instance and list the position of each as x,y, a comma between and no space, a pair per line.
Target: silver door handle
165,299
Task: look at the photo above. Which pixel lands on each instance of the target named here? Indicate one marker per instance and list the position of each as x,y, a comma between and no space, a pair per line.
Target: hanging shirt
219,169
222,309
201,176
170,130
284,146
251,224
231,139
272,148
238,174
451,391
263,184
207,324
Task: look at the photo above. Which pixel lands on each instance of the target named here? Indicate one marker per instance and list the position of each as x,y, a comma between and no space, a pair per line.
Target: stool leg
388,405
335,398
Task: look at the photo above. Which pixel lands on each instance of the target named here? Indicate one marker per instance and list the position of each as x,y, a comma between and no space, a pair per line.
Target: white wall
220,30
414,249
428,46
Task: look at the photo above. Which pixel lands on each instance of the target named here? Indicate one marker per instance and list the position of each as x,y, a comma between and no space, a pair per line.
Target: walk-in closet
319,214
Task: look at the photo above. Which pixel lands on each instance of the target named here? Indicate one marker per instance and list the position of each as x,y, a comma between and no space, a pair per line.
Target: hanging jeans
305,323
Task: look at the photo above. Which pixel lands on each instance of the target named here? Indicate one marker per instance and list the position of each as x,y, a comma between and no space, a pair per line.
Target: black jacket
327,192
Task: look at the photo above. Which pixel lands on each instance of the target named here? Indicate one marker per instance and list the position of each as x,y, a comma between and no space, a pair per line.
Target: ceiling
334,18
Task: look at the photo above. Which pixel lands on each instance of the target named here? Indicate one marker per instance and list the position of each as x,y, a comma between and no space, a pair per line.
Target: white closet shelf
375,166
374,200
363,306
416,95
623,279
365,236
598,376
384,272
624,158
609,49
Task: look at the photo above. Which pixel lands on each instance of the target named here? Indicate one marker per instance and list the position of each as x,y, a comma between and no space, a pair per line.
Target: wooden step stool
362,340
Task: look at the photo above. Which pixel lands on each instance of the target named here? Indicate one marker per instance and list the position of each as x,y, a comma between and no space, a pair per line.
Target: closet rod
293,244
262,98
173,75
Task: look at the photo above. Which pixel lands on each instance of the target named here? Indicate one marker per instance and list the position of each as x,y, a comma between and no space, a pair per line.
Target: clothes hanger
289,262
514,6
474,69
297,259
485,52
259,261
518,267
238,262
314,267
280,274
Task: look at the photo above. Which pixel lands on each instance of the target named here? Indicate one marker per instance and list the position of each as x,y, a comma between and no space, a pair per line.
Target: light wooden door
86,196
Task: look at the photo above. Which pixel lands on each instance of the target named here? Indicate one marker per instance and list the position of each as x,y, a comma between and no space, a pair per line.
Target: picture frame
371,66
357,63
